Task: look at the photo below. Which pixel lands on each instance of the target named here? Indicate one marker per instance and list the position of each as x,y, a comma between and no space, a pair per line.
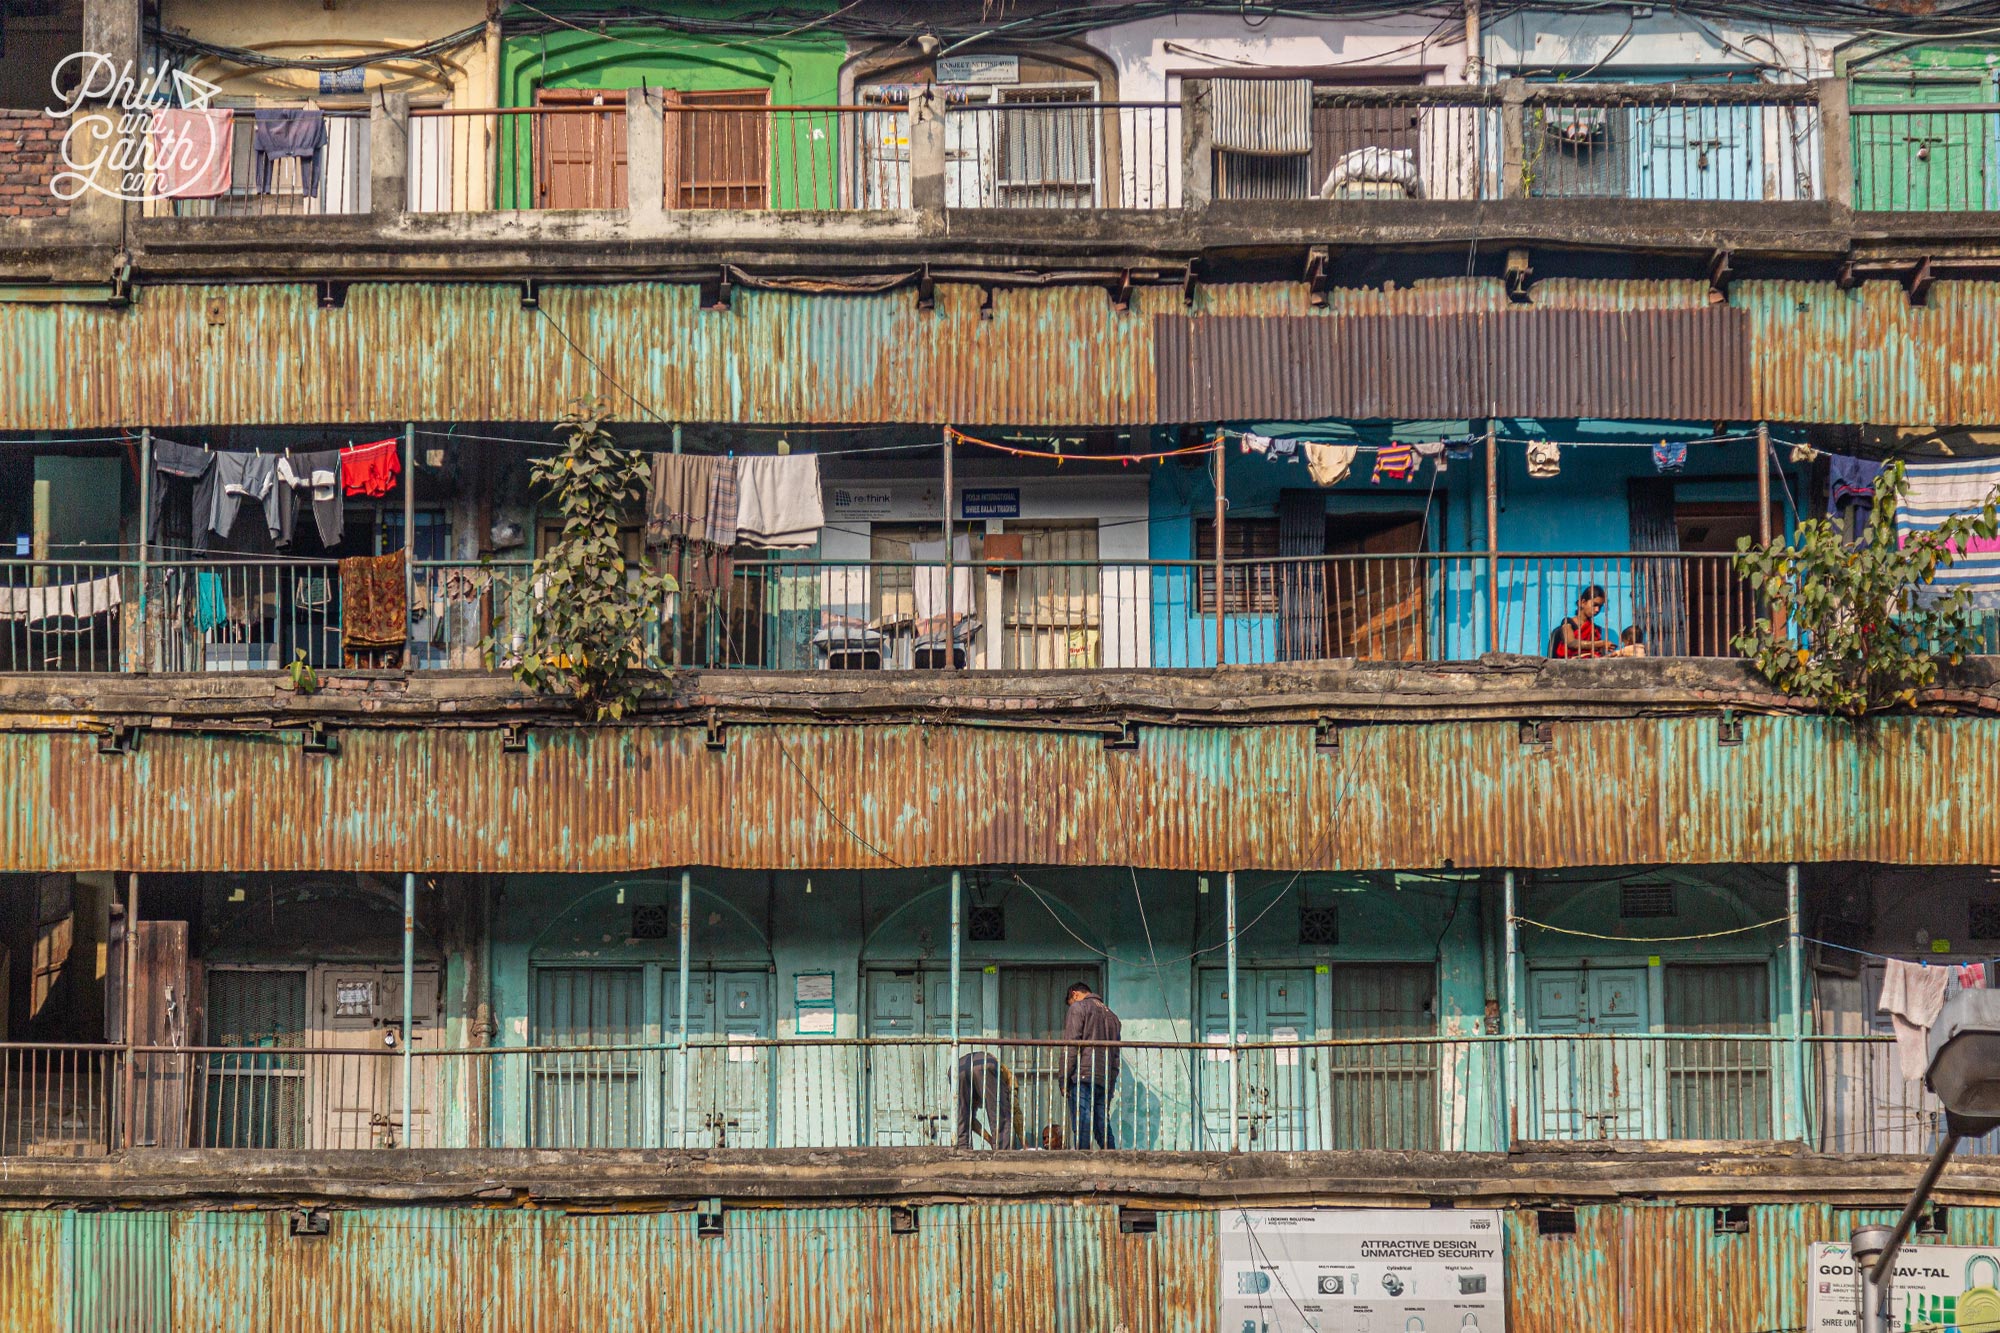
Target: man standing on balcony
1090,1071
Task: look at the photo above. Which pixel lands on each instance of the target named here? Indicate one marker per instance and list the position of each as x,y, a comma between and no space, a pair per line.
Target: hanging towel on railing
778,501
1329,464
374,605
928,581
1912,996
318,473
1262,117
193,152
677,501
1935,492
61,601
183,462
722,504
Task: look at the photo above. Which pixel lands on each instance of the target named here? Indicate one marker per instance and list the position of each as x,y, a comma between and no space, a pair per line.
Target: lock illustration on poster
1979,1306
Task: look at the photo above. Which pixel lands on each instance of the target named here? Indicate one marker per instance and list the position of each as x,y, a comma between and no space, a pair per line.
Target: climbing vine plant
1860,626
592,615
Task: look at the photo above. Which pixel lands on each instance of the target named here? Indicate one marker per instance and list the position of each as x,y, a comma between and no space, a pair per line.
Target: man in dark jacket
1091,1072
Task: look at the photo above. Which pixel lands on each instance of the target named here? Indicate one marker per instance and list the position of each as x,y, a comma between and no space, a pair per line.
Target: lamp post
1965,1074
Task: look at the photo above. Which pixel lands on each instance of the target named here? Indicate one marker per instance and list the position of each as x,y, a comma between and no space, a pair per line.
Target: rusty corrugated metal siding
1025,1266
1912,791
1683,364
268,354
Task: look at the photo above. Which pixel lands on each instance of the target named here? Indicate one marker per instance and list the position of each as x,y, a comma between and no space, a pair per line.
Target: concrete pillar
927,151
645,151
389,154
1197,145
1513,138
1836,143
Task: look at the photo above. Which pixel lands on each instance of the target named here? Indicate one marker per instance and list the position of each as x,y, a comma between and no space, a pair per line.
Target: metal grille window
585,1098
1247,589
255,1097
1047,151
1639,902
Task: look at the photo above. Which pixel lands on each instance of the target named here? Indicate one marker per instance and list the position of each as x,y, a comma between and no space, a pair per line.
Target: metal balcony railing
997,614
1926,159
1400,1093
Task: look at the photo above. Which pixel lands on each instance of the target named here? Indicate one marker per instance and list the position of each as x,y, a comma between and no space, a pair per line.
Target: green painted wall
801,70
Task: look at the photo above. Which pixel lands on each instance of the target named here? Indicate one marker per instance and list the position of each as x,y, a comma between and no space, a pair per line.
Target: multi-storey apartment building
1189,428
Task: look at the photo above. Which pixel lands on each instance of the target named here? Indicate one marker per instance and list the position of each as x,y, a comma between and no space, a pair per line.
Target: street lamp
1965,1074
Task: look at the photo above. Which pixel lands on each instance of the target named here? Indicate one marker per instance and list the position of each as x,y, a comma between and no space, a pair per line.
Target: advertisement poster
1936,1287
1362,1271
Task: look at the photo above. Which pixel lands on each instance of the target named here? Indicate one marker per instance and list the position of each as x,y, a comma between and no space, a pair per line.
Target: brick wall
30,147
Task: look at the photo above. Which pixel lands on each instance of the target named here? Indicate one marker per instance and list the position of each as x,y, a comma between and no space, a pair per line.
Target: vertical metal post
957,893
409,989
681,1041
409,537
1221,525
1763,482
950,600
681,602
1796,960
1235,1075
145,541
1511,1049
1492,539
131,1003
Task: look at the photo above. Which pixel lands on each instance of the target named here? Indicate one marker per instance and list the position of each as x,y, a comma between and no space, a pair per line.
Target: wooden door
719,149
579,156
1033,1008
1917,160
1274,1087
584,1098
729,1079
1383,1096
355,1089
1376,609
1719,1089
1051,613
909,1087
1589,1088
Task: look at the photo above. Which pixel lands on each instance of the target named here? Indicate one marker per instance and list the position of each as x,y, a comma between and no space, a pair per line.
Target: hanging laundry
1912,996
211,606
1935,492
722,504
1544,458
1972,977
1434,451
192,153
1803,453
1458,450
1329,464
778,501
1253,443
294,132
254,477
182,462
1285,447
1850,481
371,469
61,601
374,604
927,593
1670,456
677,502
318,474
1397,462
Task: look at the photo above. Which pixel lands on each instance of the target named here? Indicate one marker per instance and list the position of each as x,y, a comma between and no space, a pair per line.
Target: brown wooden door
580,158
1720,604
718,156
1375,608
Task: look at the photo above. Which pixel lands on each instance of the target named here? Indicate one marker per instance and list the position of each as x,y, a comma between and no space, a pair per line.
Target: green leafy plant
304,679
593,611
1857,627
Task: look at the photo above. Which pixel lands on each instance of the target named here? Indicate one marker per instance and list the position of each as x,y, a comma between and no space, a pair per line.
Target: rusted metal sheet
268,354
1912,791
1681,364
1021,1266
33,1290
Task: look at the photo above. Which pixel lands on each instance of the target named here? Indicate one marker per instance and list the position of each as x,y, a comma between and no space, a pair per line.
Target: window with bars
1045,146
1247,589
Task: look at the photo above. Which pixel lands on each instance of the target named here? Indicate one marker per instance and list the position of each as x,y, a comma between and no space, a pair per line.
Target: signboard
990,502
342,80
1393,1270
861,503
1935,1287
979,69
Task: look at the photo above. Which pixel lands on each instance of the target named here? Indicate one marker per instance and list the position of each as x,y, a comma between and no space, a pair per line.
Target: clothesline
954,434
1648,939
1885,957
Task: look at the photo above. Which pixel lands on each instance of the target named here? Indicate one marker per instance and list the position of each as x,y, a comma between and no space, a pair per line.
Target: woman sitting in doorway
1580,635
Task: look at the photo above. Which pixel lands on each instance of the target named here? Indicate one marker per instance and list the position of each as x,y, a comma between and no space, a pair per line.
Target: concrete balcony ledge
1496,687
1689,1173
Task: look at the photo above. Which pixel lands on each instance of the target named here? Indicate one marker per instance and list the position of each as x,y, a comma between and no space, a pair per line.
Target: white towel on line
778,501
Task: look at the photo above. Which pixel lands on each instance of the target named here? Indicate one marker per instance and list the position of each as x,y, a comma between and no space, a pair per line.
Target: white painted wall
1545,42
1147,54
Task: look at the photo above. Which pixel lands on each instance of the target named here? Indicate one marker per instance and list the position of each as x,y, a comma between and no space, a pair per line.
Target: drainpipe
1492,538
1510,1049
131,1004
409,546
1229,909
1797,961
950,628
957,887
1763,482
681,1054
409,987
1221,505
1474,64
145,538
